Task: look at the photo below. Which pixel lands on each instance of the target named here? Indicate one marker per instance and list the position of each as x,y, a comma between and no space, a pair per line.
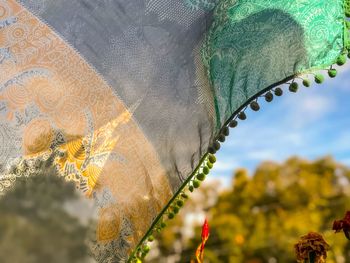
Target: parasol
130,99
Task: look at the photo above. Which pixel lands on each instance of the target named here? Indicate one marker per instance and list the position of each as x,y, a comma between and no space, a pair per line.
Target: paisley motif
254,44
38,136
201,4
109,224
78,121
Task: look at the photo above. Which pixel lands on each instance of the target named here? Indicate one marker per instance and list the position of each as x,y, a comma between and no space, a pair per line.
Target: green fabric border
162,213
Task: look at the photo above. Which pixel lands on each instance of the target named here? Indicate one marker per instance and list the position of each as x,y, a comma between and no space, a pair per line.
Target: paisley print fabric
201,4
55,106
253,44
121,99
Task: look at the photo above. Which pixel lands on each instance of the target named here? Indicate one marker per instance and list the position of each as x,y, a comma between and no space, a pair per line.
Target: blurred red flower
205,236
343,224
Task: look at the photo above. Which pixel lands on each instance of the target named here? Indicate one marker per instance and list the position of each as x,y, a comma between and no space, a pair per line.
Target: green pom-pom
269,96
233,124
278,92
151,238
341,60
254,106
347,13
180,203
242,116
212,158
347,24
201,176
171,215
146,249
211,150
221,138
206,170
293,87
306,83
162,225
190,188
225,131
216,145
176,209
319,78
210,165
196,183
183,195
332,73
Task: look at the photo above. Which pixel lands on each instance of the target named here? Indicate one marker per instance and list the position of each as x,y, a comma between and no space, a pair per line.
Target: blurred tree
35,225
261,217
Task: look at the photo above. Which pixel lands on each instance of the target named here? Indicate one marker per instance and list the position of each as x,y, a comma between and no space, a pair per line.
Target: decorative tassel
341,60
278,92
233,124
306,83
293,87
347,8
221,138
171,215
212,158
211,150
254,106
269,96
196,183
319,78
242,116
201,177
180,203
332,73
225,131
216,145
176,209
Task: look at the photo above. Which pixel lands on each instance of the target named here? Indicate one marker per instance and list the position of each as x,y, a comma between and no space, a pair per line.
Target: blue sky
312,123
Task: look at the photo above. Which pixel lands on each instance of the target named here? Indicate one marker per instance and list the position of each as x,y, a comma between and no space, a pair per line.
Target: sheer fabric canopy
123,99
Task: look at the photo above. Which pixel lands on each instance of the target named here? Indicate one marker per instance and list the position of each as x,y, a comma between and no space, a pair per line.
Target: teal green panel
254,44
201,4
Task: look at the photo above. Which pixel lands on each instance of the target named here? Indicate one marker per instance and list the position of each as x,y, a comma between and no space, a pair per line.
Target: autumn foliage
263,215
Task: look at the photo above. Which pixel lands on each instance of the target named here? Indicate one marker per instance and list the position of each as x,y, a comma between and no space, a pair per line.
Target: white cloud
308,107
225,165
